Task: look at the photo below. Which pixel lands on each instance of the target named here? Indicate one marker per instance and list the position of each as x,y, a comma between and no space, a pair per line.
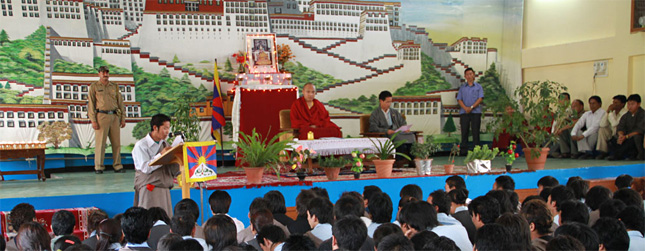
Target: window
1,123
9,123
9,114
50,115
21,115
61,115
32,124
41,115
1,114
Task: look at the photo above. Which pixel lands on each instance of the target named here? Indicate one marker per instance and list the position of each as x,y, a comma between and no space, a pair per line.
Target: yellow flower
293,167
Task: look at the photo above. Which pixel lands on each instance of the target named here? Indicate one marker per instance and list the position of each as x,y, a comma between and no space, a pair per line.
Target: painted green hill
430,80
71,67
23,60
302,75
158,93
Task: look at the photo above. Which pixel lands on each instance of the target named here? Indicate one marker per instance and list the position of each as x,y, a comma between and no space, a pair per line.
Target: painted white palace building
348,39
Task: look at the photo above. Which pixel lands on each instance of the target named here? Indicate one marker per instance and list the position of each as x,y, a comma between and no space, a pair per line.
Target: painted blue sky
448,20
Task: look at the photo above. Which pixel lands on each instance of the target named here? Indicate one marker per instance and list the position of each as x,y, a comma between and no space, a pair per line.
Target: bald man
309,115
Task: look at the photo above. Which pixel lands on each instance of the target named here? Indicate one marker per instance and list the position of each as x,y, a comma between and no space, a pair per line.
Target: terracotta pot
383,167
536,163
332,172
449,168
254,174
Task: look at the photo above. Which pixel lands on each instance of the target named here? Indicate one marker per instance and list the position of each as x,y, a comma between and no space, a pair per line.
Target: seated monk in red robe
308,114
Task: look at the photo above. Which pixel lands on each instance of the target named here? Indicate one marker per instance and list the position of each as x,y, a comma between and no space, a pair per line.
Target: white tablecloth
339,146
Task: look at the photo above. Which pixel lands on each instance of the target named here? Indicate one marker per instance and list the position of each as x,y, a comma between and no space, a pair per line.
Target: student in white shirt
591,120
609,123
184,225
220,202
420,215
320,215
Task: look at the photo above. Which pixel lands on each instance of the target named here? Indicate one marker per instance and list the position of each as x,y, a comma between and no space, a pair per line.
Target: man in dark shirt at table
629,133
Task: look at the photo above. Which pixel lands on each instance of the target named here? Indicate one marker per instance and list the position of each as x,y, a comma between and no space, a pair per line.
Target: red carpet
237,179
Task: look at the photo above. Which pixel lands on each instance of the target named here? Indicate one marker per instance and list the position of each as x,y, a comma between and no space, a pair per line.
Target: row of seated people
561,217
612,134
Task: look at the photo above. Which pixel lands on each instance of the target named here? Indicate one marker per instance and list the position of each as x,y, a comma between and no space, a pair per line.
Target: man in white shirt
220,202
609,123
420,215
152,184
184,225
320,215
591,121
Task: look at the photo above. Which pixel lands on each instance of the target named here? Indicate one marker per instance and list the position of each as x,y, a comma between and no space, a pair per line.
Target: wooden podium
175,155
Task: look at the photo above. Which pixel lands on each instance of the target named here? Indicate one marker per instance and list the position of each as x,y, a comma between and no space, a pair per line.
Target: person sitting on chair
309,115
385,120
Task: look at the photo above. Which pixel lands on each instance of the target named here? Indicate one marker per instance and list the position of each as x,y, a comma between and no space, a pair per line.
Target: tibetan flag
217,118
200,162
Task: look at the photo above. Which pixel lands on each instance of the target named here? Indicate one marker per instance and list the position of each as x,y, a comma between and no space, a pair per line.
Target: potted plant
332,166
479,159
298,157
257,153
541,109
454,151
423,152
510,156
357,163
384,151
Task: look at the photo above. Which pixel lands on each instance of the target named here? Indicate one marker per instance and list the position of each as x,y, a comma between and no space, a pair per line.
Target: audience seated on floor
92,223
595,197
136,227
546,181
603,221
62,224
301,224
220,202
612,234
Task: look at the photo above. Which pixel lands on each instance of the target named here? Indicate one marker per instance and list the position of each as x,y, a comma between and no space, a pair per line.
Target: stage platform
113,192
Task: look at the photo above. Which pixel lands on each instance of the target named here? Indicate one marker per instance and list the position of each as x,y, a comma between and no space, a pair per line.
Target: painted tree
185,79
141,129
284,54
164,73
55,132
228,66
7,86
449,127
4,37
175,59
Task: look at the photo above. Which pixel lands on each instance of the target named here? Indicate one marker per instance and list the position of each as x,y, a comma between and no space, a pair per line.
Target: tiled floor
110,182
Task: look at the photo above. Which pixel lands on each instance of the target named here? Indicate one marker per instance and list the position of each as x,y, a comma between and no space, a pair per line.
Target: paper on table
178,140
404,128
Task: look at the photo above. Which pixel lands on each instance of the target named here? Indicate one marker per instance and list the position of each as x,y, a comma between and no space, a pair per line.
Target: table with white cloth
338,146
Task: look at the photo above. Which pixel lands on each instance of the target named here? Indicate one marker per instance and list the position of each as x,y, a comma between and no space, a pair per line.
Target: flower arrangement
299,156
357,161
240,58
509,155
454,151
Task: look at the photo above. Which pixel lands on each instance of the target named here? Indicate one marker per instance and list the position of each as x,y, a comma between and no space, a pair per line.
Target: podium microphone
177,133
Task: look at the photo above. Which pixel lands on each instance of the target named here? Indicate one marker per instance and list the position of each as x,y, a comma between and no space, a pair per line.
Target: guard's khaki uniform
105,106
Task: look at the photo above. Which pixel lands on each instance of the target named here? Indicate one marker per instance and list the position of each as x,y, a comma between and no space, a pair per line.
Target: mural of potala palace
161,51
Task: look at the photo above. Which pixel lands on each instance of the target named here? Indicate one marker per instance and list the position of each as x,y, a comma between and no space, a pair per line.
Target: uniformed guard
105,109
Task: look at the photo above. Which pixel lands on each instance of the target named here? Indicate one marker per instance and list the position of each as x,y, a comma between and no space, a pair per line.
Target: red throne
44,217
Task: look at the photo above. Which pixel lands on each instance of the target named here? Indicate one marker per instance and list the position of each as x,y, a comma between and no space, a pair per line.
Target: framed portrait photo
261,53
